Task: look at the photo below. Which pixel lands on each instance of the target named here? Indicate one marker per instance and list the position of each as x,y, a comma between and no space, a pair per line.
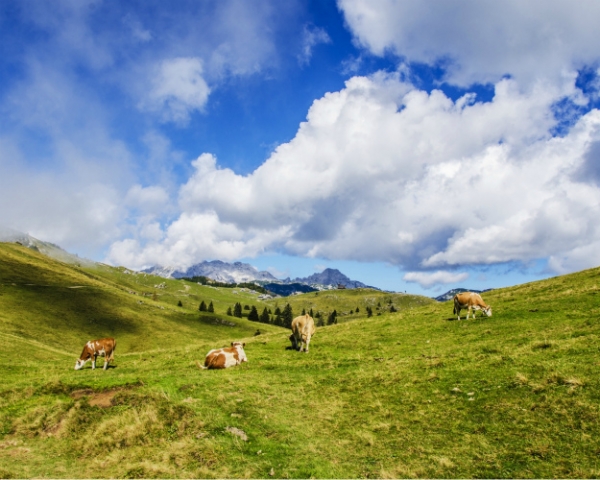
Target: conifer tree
287,316
211,308
202,306
253,315
264,316
237,310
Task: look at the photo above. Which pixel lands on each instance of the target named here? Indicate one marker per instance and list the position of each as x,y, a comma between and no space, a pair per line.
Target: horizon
9,235
412,148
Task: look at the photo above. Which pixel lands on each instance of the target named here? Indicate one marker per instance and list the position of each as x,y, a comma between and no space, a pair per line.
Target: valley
410,393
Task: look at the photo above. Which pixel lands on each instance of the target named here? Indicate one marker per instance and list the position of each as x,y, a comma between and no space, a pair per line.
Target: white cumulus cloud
429,279
383,171
481,41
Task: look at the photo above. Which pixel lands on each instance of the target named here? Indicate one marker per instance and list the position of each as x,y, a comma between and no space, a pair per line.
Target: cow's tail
200,366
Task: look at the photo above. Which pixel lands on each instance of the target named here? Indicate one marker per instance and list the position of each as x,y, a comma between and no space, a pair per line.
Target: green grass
408,394
347,302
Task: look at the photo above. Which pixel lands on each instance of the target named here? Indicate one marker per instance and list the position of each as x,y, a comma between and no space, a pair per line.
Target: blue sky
415,146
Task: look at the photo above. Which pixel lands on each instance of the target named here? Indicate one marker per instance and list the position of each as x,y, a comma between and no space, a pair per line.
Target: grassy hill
350,304
408,394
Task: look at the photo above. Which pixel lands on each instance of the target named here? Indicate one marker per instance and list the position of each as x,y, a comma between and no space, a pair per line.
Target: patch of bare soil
97,399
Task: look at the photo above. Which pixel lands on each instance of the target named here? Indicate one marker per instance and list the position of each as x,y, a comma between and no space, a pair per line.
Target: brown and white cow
104,347
470,301
226,357
303,328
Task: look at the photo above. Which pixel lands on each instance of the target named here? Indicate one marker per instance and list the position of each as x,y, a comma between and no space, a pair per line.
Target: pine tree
229,311
253,315
202,306
211,309
179,304
369,312
332,319
393,309
288,316
264,316
303,312
237,310
311,313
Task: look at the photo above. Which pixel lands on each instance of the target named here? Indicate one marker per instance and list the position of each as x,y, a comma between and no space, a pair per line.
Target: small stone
237,432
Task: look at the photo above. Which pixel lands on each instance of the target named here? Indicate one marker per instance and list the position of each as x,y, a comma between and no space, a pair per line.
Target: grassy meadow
413,393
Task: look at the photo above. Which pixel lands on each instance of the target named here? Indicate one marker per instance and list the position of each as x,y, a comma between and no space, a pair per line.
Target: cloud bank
480,42
383,171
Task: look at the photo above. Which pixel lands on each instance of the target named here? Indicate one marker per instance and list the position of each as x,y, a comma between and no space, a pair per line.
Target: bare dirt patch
97,399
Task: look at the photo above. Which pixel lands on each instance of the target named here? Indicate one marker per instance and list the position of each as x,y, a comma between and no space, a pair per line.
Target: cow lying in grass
470,302
104,347
303,328
226,357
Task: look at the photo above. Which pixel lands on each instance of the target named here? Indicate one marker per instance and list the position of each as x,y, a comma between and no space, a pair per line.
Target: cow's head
239,346
80,363
488,311
85,356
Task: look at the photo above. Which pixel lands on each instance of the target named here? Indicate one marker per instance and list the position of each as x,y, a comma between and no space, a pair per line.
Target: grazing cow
105,347
226,357
303,327
471,302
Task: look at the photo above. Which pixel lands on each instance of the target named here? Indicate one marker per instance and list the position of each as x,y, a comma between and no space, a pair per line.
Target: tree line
202,280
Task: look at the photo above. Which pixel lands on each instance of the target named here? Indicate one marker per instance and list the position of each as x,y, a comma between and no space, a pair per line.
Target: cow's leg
457,310
468,312
94,362
106,360
307,343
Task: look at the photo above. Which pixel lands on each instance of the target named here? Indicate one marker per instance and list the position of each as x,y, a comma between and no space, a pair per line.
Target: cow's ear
244,344
232,344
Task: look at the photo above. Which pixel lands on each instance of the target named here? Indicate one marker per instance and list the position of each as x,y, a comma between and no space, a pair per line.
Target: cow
104,347
225,357
471,302
303,328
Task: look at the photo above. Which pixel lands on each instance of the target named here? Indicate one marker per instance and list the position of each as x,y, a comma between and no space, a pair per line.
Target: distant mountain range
449,295
219,271
239,272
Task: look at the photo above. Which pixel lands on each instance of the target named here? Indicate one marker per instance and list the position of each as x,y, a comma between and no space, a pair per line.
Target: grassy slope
60,306
409,394
346,301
